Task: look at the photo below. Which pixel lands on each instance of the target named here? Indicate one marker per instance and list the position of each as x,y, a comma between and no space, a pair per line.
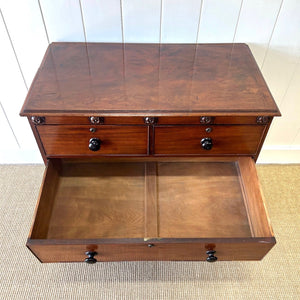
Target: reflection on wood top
153,79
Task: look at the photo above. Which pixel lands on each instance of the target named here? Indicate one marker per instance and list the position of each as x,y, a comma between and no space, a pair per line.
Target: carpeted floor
277,276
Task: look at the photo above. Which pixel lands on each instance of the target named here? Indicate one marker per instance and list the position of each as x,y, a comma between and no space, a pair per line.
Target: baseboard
279,155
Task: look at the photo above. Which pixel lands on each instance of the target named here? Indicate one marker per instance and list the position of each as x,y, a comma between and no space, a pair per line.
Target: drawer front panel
75,140
245,250
225,139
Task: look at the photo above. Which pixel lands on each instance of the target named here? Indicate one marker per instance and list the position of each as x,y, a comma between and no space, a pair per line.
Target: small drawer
59,140
208,140
150,210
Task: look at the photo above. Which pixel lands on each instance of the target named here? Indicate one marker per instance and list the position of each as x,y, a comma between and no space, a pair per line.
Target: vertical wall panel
102,20
296,141
281,72
285,129
256,23
24,22
13,91
284,50
141,21
180,21
63,20
6,136
218,21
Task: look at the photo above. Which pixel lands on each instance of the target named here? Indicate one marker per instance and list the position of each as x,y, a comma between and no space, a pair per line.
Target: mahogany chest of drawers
150,153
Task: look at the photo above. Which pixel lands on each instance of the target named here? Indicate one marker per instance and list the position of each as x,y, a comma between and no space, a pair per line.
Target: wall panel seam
160,24
199,20
42,15
5,115
237,22
290,81
271,35
13,48
82,21
122,20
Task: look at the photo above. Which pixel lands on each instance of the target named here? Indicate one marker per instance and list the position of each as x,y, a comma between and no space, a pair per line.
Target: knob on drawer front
94,144
206,143
211,256
90,259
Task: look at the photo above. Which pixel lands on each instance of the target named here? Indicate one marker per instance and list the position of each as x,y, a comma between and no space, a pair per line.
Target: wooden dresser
150,153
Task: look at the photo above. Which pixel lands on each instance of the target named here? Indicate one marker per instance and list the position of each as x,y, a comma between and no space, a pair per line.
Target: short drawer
66,140
208,140
150,210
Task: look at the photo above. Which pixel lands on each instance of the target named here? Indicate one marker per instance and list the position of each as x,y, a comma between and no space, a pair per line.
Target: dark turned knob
211,257
90,259
37,120
94,144
206,143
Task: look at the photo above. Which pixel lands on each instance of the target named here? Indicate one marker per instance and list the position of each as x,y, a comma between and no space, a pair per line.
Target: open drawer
150,209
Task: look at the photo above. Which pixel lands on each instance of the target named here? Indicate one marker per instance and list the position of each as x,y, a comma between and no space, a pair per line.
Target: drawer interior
157,198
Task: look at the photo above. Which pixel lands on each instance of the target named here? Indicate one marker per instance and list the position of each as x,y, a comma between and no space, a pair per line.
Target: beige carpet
23,277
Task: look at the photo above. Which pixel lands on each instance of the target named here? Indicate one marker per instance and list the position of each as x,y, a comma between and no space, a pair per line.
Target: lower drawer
150,209
152,250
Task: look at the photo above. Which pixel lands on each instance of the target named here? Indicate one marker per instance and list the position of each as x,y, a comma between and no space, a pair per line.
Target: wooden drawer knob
96,120
94,144
211,257
206,143
90,259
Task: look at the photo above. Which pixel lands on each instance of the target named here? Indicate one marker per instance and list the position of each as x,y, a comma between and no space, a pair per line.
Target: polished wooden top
149,79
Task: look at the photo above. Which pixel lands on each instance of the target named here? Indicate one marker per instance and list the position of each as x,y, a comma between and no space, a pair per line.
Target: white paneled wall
258,33
141,21
102,20
218,21
270,27
63,20
179,22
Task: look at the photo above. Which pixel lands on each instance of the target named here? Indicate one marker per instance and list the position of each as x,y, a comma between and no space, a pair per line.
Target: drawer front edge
249,249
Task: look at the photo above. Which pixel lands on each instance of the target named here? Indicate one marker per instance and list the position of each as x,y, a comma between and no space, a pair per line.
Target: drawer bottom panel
225,251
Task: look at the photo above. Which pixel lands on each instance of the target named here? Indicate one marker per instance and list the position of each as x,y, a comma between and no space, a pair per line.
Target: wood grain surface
240,249
103,201
135,79
164,202
254,199
200,200
74,140
226,139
